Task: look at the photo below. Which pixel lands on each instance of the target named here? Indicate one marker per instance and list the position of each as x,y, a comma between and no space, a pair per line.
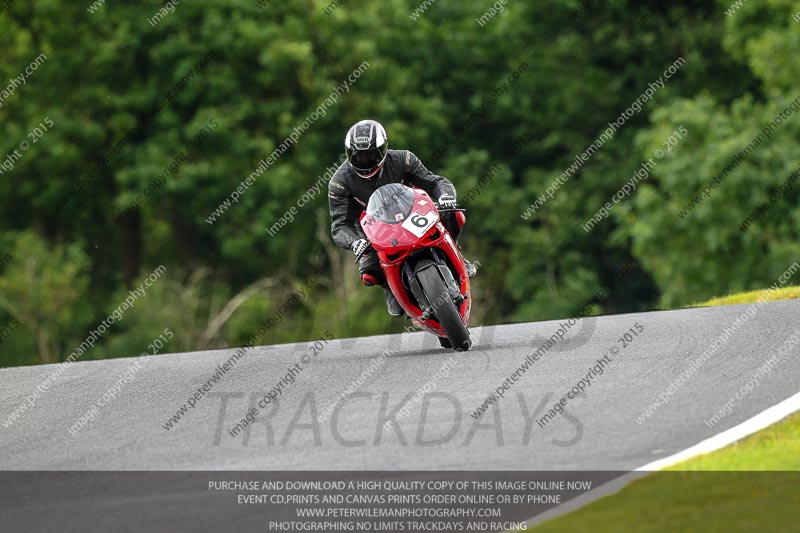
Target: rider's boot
392,305
470,268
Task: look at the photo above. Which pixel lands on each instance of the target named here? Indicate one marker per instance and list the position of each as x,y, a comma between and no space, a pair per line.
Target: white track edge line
748,427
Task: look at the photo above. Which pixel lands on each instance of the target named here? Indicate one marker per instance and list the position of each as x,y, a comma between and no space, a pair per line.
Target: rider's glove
359,246
447,201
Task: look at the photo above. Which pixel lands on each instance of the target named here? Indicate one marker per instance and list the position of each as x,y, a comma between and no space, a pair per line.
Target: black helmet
366,146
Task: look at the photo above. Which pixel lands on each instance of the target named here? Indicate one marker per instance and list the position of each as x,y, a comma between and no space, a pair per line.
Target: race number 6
418,223
419,220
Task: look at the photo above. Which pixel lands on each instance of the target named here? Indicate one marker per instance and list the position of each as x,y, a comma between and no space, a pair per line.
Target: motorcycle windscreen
391,204
398,216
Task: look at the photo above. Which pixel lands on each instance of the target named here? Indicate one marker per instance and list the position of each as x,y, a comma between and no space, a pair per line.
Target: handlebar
439,209
450,210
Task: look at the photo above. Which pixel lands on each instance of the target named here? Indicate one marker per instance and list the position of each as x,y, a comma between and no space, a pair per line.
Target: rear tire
445,310
444,342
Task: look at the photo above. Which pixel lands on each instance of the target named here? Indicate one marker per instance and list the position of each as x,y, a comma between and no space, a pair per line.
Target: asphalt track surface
599,431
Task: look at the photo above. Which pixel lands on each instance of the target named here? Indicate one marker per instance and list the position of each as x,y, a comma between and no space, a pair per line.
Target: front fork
447,277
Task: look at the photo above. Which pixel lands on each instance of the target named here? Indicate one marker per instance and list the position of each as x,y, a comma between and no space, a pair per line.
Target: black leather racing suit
348,194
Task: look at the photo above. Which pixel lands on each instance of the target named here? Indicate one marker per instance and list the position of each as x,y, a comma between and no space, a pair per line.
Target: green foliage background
275,62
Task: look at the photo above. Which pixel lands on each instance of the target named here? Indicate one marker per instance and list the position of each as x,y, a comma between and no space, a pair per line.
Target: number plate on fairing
418,223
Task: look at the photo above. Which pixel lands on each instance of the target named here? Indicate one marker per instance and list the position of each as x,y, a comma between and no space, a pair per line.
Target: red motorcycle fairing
398,228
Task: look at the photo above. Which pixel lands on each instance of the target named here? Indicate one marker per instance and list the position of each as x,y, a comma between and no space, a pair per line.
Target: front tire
443,307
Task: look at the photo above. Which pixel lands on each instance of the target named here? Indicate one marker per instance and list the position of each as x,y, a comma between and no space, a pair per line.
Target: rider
370,164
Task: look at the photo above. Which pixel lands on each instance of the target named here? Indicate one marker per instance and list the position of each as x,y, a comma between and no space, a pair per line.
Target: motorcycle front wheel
443,307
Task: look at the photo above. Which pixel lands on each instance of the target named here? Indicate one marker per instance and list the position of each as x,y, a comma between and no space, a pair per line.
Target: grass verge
784,293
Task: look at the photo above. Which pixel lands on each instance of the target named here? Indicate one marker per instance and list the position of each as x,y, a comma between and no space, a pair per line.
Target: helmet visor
366,161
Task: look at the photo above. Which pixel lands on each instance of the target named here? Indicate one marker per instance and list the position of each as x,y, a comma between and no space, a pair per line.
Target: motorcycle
420,260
